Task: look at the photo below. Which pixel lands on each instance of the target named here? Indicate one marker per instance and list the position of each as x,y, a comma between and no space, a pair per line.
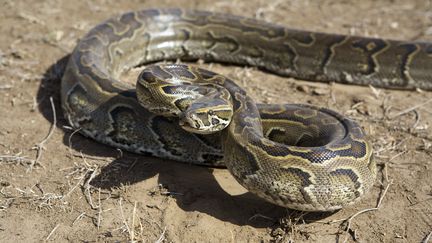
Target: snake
297,156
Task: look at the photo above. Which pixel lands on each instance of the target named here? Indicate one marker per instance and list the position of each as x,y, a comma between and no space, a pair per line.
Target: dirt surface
69,188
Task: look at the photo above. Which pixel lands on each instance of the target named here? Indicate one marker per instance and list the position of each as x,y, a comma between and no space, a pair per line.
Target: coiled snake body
296,156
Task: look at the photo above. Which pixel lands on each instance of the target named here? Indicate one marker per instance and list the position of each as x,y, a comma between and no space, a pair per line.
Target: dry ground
69,188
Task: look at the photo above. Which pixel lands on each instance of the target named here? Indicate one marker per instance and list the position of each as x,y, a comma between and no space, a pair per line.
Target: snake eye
197,124
215,121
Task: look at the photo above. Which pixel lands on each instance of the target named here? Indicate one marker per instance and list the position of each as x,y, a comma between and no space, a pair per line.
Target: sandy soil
69,188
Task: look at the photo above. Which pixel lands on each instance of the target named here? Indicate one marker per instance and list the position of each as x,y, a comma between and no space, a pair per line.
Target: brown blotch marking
206,74
351,175
305,113
180,71
358,149
304,39
159,72
329,52
123,124
304,177
406,59
234,45
245,25
170,136
330,121
271,110
239,157
148,77
277,134
370,47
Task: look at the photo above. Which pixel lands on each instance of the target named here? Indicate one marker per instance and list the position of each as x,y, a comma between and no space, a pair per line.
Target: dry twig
162,236
410,109
52,232
124,220
426,240
350,218
40,146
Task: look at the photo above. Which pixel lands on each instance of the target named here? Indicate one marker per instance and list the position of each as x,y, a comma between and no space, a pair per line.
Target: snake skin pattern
296,156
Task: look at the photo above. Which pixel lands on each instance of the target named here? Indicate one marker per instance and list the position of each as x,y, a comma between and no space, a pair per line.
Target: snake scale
297,156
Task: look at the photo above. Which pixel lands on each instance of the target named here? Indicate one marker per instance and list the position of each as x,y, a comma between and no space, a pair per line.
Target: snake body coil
296,156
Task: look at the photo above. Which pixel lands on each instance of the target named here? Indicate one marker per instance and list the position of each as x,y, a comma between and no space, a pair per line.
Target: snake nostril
215,121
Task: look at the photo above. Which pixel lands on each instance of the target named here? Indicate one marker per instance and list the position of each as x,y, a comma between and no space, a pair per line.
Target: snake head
206,120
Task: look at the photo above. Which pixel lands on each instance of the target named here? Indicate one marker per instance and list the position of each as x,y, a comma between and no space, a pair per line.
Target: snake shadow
194,187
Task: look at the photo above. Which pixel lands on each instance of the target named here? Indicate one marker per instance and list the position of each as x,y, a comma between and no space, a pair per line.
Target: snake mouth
188,128
193,128
199,127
